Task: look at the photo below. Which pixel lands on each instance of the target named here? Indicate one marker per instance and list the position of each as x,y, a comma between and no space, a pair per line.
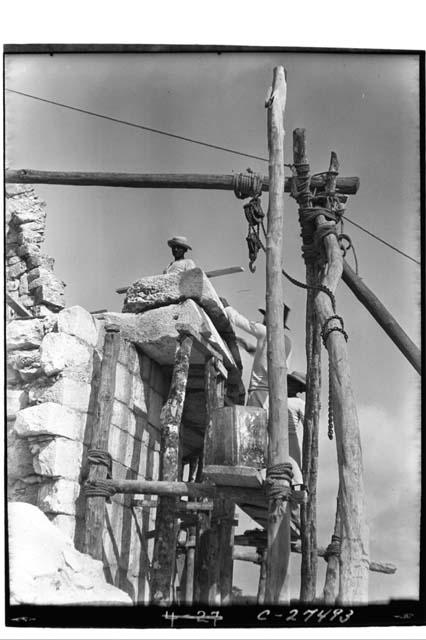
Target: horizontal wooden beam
249,554
191,489
245,550
224,182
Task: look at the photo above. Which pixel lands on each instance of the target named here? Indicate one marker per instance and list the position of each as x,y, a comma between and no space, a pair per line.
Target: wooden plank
166,525
353,582
278,555
237,476
348,185
95,505
385,319
309,564
190,566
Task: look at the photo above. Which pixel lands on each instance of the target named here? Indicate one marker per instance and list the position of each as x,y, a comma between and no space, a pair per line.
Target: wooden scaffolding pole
214,553
385,319
353,581
98,458
166,525
331,586
225,182
309,564
278,554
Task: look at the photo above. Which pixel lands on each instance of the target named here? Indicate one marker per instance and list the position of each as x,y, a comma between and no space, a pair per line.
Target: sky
364,107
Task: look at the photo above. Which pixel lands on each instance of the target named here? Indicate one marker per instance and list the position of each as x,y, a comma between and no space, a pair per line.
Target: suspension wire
193,141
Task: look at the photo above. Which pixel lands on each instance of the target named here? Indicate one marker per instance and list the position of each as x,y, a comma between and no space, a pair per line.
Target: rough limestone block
25,248
39,273
156,403
17,399
46,569
18,191
78,322
38,259
43,277
59,496
24,334
57,457
65,391
12,285
29,215
30,236
19,458
49,418
34,225
66,524
23,285
27,363
16,270
50,294
171,288
61,352
13,260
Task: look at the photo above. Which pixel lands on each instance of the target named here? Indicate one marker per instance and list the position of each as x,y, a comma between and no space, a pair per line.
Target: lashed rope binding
278,487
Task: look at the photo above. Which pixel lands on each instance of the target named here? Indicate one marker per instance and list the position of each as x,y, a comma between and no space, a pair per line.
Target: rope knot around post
98,489
333,548
278,487
100,457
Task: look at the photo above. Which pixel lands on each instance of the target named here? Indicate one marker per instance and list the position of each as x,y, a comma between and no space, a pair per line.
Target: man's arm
241,322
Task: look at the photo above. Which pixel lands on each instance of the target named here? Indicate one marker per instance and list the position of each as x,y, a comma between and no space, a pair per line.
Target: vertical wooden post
190,566
278,555
309,562
331,586
95,505
262,578
166,520
353,581
214,552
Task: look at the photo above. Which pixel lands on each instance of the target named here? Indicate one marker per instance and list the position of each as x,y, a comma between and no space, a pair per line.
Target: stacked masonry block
48,407
29,272
134,444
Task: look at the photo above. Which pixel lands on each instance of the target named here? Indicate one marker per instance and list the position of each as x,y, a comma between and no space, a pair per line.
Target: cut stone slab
57,457
24,334
51,294
59,352
49,418
69,392
46,569
78,322
156,332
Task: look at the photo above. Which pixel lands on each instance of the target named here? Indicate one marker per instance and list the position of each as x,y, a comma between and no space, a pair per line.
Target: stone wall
29,272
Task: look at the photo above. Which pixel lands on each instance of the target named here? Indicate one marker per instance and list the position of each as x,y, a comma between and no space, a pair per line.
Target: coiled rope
278,487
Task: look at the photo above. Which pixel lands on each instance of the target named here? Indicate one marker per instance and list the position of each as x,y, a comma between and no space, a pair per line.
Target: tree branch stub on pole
278,554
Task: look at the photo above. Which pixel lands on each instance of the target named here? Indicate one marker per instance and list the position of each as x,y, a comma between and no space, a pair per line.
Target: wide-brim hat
286,313
179,241
298,379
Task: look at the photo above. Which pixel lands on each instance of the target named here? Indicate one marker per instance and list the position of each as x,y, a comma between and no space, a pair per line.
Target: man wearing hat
179,246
